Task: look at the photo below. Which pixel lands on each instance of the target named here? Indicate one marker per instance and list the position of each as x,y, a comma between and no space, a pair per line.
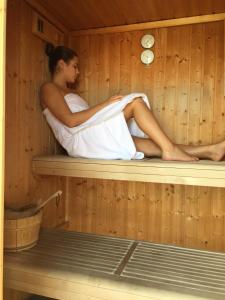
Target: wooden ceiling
85,14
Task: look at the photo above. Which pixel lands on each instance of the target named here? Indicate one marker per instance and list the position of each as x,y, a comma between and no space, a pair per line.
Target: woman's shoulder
48,86
47,91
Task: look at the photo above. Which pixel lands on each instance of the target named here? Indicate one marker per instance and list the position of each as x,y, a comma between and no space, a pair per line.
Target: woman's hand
114,98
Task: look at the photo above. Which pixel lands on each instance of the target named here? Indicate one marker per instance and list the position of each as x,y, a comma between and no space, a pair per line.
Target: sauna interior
186,87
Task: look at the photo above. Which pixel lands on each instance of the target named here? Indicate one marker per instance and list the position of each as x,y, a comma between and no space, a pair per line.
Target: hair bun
49,49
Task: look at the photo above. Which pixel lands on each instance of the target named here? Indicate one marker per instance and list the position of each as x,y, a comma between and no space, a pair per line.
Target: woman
102,131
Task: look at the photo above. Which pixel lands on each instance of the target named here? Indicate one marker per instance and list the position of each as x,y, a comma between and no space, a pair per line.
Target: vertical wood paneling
219,105
185,85
209,55
158,101
10,294
27,133
114,64
196,47
104,63
182,87
2,129
224,60
170,80
140,204
84,65
218,207
12,115
125,56
94,62
134,65
174,214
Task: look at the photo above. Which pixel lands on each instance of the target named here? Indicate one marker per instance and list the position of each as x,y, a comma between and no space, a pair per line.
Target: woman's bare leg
147,122
214,152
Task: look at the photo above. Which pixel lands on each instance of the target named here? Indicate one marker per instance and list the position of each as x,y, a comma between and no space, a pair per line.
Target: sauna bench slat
201,173
73,265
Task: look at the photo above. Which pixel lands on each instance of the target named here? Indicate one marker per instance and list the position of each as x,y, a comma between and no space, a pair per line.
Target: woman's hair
56,53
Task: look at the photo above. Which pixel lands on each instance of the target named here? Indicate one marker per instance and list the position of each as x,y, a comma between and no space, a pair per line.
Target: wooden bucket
23,233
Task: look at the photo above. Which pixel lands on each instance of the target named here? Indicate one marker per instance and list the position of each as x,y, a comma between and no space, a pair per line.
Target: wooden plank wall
27,133
10,294
185,85
2,129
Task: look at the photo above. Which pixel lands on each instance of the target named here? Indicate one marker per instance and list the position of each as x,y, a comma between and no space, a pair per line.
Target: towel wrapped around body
106,135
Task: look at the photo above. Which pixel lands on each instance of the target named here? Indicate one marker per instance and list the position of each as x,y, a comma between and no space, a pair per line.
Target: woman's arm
52,98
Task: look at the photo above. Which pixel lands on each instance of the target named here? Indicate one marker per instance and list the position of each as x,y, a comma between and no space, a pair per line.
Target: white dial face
147,57
147,41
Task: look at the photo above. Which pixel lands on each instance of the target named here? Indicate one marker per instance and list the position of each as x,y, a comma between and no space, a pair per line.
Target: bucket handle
41,205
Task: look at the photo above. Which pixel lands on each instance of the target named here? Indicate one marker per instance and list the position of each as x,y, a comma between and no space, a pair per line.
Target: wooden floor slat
71,261
184,268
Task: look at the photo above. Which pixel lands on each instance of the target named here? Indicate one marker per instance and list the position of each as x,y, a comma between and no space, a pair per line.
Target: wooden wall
185,85
10,294
2,129
27,133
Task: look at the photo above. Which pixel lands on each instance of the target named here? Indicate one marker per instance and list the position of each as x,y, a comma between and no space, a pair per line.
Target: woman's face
71,70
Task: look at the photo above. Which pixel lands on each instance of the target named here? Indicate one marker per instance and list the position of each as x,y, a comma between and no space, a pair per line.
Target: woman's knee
129,109
138,101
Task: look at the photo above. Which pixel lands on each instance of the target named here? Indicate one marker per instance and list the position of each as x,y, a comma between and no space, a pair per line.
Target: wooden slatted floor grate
181,268
68,255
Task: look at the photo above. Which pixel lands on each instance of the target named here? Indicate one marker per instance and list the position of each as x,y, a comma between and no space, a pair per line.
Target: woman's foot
217,151
176,154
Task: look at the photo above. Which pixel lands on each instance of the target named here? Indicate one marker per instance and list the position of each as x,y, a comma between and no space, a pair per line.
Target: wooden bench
201,173
81,266
71,265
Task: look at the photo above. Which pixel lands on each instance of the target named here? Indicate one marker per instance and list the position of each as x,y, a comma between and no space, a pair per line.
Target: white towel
111,111
106,135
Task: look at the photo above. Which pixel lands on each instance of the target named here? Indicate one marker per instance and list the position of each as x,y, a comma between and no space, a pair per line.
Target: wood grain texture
102,13
47,14
202,173
185,85
27,132
67,265
170,214
183,71
10,294
151,25
185,79
2,129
